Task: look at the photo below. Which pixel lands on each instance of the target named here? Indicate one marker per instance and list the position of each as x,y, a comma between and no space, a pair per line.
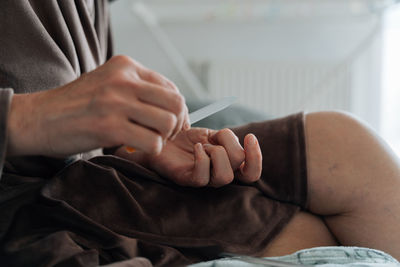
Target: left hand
200,157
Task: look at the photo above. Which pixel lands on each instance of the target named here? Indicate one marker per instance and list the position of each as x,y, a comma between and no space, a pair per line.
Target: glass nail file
211,109
203,113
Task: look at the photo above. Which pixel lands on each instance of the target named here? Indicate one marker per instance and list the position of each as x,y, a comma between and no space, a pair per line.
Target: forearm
20,139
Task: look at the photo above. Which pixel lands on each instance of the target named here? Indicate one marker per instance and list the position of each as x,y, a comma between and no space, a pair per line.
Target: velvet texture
107,210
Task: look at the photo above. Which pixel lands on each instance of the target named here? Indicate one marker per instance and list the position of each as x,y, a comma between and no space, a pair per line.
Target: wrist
18,130
138,157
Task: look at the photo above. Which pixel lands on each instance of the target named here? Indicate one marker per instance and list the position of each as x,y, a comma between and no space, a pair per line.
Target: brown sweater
5,100
107,210
46,44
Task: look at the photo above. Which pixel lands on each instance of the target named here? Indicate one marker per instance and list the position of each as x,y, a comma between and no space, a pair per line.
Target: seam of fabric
306,159
304,162
5,102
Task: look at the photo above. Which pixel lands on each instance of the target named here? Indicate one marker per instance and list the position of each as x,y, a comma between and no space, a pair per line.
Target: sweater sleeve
5,101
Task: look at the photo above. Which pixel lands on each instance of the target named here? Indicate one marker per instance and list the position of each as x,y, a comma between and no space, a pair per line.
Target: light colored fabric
321,256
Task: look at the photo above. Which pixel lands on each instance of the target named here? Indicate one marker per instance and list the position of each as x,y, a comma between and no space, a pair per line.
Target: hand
119,103
200,157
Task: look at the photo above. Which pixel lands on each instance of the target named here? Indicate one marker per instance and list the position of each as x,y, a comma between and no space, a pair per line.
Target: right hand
204,157
119,103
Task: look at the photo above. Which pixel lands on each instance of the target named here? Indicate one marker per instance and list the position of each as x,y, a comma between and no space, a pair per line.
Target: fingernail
253,139
206,145
186,126
198,147
130,149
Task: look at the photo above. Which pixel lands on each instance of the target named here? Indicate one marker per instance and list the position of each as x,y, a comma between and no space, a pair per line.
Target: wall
306,39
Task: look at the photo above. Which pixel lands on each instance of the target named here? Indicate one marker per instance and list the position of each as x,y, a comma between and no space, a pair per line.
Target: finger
199,135
157,95
156,78
250,171
139,137
186,125
167,99
230,142
181,123
186,120
153,117
201,171
221,173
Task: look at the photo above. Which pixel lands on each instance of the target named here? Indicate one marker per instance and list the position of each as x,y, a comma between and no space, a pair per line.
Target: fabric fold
5,102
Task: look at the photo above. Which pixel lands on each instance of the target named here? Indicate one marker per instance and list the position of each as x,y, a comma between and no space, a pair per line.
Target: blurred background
277,56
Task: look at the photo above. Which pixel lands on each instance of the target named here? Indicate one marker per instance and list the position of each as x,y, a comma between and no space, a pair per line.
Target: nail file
204,112
211,109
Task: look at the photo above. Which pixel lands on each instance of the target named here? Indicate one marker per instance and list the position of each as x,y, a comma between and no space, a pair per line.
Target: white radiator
280,89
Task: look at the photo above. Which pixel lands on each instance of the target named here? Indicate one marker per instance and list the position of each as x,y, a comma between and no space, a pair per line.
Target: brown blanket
108,210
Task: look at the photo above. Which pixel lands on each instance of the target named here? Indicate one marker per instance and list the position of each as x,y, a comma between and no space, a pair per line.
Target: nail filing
204,112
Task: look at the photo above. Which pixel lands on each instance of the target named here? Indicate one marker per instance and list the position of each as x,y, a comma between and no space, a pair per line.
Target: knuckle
170,121
223,134
238,158
122,59
124,72
226,132
202,157
154,144
121,79
179,102
212,149
134,83
126,76
117,77
154,76
171,84
219,149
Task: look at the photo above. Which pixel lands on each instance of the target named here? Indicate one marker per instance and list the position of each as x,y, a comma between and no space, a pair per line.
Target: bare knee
337,125
346,162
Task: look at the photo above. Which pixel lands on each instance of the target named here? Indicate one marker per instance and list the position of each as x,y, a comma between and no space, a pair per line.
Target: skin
353,189
141,107
187,160
353,177
122,103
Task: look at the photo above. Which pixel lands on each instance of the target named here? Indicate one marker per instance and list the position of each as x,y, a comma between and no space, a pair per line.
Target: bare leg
305,230
353,186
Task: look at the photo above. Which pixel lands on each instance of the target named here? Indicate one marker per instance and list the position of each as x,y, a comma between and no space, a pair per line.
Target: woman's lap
119,210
